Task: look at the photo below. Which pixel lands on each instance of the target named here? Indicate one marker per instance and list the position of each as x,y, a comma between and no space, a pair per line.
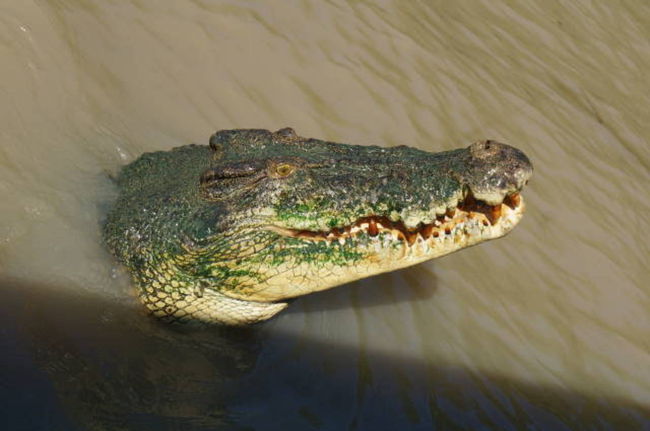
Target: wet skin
227,233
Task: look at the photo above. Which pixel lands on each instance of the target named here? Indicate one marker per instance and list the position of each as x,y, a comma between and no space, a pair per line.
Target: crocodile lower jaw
384,246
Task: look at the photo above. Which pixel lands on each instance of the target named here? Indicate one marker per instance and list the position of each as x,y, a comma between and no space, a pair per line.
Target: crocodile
230,232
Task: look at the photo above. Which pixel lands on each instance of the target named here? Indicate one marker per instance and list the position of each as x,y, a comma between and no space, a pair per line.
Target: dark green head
315,185
262,216
336,212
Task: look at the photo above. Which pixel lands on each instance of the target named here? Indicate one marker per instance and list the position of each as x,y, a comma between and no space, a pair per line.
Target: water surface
547,328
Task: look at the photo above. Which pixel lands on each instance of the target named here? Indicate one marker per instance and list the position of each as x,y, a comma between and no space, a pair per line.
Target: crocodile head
262,217
331,213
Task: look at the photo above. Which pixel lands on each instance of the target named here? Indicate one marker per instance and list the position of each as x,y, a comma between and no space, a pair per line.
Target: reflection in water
546,328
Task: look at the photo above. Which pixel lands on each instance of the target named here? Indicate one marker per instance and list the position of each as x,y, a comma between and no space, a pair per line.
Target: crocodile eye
284,170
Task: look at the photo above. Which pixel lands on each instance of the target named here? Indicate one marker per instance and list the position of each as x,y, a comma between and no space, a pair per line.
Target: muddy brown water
547,328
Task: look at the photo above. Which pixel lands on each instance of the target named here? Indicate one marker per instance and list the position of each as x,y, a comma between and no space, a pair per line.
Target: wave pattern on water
546,328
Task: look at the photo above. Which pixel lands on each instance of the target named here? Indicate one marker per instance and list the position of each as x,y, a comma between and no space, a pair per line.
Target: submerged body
228,232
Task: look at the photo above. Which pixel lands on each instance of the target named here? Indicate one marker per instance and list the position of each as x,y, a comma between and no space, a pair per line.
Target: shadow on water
77,362
369,293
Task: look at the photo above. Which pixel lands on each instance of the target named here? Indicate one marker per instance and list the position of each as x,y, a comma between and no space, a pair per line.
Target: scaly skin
226,233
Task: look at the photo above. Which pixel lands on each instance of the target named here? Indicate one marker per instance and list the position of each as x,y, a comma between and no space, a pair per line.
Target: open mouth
468,215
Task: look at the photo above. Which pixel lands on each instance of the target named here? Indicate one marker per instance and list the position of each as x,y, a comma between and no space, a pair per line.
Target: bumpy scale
227,233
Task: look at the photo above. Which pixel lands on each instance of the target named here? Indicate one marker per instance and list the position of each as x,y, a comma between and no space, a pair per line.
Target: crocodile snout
496,170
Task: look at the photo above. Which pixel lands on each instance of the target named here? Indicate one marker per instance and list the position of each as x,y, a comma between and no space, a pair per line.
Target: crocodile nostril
486,149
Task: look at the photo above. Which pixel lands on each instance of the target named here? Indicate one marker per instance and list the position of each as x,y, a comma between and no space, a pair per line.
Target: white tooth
380,226
411,221
342,241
